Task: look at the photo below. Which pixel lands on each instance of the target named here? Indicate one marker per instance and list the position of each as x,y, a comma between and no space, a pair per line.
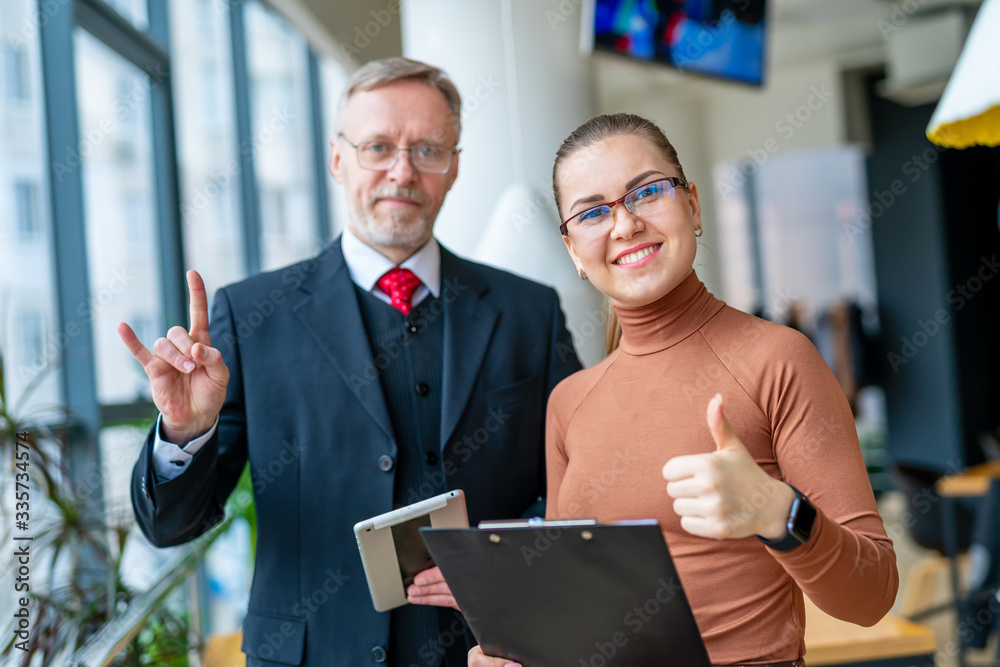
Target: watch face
802,518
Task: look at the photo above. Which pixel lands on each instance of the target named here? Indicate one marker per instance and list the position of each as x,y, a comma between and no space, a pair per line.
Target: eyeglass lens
382,156
643,201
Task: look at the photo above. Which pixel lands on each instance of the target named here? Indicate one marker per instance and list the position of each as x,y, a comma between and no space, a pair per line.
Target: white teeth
633,257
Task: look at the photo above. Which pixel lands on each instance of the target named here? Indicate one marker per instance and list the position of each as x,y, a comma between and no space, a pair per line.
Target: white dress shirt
365,265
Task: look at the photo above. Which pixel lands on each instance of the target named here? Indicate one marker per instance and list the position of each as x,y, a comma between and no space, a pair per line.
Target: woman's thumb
722,432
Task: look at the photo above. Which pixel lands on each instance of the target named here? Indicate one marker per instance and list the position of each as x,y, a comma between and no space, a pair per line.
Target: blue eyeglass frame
674,182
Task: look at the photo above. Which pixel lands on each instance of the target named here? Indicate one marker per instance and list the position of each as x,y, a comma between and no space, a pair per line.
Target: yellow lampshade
969,111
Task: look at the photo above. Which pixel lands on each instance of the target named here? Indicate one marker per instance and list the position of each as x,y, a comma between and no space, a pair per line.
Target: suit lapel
329,311
469,321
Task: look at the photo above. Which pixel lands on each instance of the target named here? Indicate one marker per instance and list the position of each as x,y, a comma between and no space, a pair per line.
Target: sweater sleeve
848,566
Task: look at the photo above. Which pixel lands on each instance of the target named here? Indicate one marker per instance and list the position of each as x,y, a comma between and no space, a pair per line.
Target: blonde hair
382,72
596,130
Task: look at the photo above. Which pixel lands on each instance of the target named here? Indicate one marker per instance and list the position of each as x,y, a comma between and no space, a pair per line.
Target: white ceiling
800,32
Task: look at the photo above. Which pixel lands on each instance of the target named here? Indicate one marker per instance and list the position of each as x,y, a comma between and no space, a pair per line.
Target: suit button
432,458
378,654
422,388
413,328
385,463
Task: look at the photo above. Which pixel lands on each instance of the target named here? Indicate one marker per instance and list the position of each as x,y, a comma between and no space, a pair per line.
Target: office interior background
139,139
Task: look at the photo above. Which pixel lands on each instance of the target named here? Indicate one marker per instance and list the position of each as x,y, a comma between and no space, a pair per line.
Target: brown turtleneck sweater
612,427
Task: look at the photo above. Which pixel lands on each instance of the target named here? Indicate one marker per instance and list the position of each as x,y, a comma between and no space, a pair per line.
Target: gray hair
382,72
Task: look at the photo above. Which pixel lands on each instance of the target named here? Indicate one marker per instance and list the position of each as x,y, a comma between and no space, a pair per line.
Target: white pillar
525,87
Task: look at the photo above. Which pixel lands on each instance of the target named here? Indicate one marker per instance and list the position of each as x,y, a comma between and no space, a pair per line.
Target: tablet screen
411,552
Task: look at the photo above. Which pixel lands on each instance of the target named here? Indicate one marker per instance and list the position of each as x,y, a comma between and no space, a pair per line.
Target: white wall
801,107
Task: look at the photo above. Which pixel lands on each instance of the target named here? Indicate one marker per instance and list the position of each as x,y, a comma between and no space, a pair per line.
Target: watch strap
798,527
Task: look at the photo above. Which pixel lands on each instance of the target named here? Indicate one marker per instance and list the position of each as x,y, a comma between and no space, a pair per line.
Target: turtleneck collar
669,320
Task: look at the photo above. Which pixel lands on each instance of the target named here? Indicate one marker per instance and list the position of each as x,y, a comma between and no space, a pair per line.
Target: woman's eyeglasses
643,201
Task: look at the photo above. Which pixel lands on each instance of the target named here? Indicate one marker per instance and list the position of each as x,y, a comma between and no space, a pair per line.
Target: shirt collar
366,265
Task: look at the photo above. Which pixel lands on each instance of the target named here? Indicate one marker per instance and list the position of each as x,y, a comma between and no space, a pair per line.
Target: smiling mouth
637,256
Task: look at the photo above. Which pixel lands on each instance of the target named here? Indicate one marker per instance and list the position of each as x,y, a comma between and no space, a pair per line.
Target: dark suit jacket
305,406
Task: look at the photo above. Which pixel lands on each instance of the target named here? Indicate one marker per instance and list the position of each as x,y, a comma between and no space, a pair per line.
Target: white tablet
392,550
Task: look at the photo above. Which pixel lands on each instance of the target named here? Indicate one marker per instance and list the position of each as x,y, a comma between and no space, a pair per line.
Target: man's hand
430,588
725,494
479,659
187,375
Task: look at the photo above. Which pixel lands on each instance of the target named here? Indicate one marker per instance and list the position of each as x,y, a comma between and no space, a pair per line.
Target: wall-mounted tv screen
719,38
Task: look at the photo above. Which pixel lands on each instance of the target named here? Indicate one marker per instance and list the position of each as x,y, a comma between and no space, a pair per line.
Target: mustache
398,191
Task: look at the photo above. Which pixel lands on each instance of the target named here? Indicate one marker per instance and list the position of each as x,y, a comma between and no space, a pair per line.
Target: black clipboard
570,593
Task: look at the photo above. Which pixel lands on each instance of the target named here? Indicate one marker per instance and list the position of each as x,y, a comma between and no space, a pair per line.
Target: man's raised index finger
199,308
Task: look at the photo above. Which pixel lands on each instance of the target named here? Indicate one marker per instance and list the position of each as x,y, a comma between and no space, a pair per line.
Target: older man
381,372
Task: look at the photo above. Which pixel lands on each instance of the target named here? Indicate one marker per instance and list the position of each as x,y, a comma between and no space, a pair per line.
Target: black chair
925,507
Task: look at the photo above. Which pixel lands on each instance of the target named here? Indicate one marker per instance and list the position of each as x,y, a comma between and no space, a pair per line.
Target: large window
134,11
282,138
31,344
137,175
116,146
206,141
334,82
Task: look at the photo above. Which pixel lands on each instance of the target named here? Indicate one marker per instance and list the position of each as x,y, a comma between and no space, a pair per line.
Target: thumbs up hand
725,494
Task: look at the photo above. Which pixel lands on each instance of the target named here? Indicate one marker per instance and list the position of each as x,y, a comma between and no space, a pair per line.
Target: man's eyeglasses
382,155
643,201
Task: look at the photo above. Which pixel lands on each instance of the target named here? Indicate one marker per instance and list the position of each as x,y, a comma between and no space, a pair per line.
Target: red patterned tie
399,284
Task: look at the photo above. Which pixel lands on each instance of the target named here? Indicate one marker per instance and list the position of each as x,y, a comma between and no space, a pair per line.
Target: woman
778,431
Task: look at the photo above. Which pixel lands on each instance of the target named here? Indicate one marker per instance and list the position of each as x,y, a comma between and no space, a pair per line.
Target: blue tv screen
719,38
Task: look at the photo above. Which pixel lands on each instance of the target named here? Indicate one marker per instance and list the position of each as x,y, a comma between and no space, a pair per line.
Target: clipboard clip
534,522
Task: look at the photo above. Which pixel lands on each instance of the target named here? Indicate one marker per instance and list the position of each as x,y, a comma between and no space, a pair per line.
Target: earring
698,232
583,274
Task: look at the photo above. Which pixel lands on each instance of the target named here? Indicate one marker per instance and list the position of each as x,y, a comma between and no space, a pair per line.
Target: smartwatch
799,526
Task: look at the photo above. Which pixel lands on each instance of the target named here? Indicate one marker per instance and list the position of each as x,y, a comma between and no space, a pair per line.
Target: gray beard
396,232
